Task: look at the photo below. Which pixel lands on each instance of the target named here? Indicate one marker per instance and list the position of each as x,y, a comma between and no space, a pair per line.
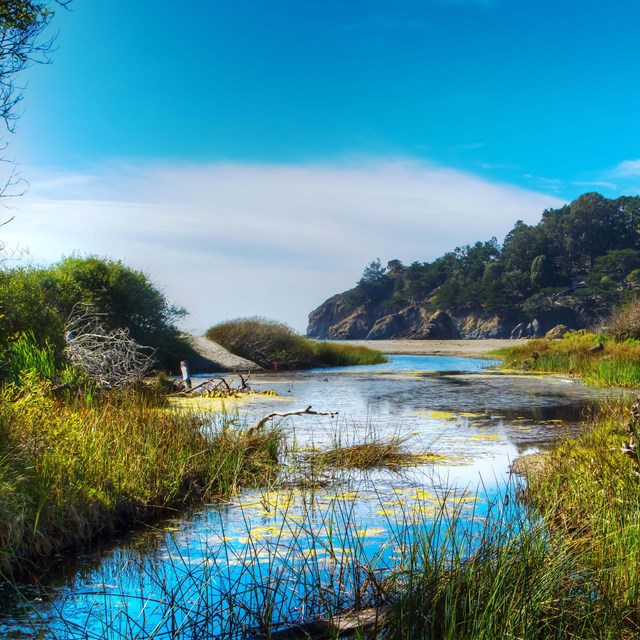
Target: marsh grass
25,355
589,493
345,355
435,573
314,566
597,358
72,472
390,453
564,565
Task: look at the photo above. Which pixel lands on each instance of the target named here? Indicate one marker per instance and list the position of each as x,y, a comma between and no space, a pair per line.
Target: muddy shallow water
207,573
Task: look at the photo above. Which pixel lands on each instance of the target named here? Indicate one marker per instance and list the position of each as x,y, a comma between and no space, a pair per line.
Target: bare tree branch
111,358
283,414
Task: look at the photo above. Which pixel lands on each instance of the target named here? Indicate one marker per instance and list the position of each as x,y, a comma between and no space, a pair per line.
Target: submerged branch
283,414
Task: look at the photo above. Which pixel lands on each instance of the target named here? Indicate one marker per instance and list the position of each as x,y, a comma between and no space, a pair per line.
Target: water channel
310,544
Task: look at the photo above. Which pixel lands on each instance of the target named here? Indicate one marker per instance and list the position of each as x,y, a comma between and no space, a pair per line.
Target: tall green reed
73,472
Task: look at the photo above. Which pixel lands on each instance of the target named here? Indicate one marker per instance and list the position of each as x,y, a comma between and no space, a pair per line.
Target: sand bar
466,348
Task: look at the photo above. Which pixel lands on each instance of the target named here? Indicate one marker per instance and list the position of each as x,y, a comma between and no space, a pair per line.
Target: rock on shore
210,357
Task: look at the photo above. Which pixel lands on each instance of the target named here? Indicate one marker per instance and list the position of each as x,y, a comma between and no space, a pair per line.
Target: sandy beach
468,348
214,357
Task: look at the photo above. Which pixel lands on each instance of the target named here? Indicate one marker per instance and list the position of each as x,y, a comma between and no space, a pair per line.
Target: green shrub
40,300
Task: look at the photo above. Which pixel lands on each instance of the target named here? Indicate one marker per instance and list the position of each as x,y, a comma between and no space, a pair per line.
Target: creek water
321,539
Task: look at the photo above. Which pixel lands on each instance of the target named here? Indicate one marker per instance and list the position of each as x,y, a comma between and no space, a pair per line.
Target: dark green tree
542,272
615,265
375,283
521,245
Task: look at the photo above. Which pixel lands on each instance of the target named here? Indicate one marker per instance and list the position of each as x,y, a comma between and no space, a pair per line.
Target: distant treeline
589,247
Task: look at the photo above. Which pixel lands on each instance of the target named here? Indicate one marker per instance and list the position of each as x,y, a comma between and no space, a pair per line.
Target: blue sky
289,143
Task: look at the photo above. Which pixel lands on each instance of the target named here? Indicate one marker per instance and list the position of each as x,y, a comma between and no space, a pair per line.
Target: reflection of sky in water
278,544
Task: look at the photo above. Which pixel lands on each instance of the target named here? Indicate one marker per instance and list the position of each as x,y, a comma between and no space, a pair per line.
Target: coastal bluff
336,319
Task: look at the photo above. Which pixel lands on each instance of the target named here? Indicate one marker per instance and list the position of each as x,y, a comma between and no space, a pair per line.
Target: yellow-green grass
70,473
597,358
589,494
390,453
344,355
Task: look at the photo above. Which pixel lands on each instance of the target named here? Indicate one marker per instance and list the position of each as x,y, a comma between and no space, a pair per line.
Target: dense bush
40,300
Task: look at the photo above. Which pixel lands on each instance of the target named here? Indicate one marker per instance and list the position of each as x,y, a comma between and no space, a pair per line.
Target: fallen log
334,627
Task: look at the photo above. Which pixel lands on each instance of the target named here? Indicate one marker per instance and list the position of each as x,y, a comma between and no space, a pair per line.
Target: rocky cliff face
336,320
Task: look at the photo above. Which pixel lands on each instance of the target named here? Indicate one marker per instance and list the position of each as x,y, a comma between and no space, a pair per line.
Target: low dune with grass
274,345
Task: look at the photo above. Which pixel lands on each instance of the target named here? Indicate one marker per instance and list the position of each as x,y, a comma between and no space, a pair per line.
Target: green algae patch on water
442,415
226,403
436,414
485,437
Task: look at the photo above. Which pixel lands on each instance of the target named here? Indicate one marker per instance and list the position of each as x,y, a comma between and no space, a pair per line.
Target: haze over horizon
253,157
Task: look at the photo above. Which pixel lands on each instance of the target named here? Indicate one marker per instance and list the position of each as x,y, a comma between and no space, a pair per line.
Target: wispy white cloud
547,184
595,183
229,240
628,168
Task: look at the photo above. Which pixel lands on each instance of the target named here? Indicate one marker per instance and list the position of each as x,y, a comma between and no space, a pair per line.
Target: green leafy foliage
40,301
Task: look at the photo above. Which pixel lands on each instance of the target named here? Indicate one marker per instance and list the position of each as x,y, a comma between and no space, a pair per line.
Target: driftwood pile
215,387
110,358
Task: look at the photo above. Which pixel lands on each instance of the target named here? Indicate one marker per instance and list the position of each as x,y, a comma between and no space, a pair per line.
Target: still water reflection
227,568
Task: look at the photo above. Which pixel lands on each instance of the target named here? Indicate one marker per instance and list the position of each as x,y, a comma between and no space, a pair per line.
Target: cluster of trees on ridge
590,247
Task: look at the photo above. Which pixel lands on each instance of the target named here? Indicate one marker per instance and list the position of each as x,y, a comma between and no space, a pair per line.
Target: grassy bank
273,344
71,472
334,354
597,358
568,569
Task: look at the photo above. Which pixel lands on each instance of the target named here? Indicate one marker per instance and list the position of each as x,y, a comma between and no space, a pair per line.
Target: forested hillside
572,268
